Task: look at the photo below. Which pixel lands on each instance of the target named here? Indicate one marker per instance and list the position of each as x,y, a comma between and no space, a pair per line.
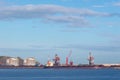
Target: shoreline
61,67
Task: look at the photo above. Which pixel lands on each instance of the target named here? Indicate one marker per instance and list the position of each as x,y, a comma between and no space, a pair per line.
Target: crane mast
56,60
67,58
91,59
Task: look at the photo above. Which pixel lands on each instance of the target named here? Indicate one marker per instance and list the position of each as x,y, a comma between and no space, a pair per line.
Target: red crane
68,57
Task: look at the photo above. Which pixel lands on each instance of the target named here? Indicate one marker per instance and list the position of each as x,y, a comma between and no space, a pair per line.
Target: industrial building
12,61
3,60
30,62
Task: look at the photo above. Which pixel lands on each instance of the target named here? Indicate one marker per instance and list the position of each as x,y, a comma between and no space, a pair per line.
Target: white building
30,61
12,61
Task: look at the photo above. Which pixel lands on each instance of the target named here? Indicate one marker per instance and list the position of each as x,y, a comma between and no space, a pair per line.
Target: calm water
59,74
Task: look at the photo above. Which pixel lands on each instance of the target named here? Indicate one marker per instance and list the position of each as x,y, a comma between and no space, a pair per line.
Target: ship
56,63
69,65
76,67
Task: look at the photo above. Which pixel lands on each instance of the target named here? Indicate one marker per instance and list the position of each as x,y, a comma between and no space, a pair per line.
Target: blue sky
42,28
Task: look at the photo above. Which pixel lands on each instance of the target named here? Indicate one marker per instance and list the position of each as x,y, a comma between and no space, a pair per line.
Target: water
59,74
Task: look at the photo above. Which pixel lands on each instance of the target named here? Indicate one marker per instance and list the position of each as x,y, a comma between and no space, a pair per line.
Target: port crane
56,60
67,58
91,59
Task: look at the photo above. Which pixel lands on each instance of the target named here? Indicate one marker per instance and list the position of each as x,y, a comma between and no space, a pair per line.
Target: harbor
32,63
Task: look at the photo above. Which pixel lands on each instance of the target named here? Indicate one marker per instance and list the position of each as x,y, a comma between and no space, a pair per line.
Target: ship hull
75,67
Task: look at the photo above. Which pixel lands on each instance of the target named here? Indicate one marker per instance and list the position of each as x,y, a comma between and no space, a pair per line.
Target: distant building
21,61
3,60
108,65
30,61
12,61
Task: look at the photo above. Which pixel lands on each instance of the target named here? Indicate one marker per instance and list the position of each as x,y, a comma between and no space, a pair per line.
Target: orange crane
68,57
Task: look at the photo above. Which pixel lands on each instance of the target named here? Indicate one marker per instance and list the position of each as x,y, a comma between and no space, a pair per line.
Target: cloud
106,48
51,13
112,45
70,20
114,39
67,30
16,50
66,0
98,6
65,19
113,24
2,3
37,11
117,4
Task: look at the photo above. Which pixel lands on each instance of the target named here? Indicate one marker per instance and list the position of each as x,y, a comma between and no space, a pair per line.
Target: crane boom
67,58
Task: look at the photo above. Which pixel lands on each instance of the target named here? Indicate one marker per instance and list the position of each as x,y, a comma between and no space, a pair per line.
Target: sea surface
59,74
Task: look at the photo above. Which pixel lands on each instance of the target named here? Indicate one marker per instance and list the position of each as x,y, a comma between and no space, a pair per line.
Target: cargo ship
69,65
76,67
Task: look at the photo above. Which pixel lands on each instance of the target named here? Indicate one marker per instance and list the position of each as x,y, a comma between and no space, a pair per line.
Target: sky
43,28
